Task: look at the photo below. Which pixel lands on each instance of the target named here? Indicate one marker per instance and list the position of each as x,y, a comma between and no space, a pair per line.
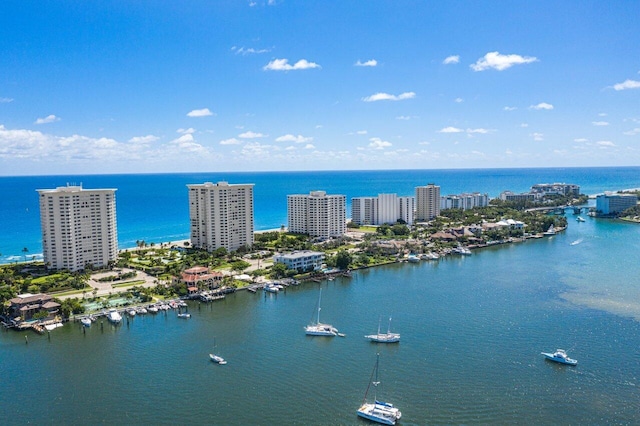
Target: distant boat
114,316
560,356
430,256
413,258
378,411
550,231
580,219
184,315
86,321
387,337
576,242
217,358
461,250
316,328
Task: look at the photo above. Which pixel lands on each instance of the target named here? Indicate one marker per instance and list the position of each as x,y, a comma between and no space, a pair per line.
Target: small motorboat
86,321
560,356
217,359
184,315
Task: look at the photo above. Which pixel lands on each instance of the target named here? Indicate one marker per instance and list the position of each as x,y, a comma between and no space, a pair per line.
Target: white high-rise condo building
385,208
221,215
78,227
464,201
427,202
317,214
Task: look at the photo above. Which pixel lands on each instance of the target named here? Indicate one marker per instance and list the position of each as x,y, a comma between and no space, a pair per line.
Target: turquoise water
154,207
472,332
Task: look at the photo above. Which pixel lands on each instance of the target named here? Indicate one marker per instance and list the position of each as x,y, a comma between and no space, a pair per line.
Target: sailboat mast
319,300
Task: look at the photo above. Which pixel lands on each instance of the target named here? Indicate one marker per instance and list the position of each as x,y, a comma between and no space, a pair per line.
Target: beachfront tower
78,227
427,202
317,214
221,215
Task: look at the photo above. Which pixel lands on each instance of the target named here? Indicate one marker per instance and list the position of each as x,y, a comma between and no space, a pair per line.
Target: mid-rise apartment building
464,201
612,203
317,214
221,215
427,202
78,227
385,208
304,260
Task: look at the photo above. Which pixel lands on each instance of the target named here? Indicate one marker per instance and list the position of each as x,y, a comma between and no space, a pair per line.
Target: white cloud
292,138
523,125
143,139
48,119
605,143
542,105
387,97
5,100
231,141
251,135
580,140
537,137
450,130
185,131
369,63
244,51
204,112
627,84
187,143
377,143
453,59
633,132
510,108
361,132
284,65
602,114
458,100
600,123
480,130
403,117
309,146
500,62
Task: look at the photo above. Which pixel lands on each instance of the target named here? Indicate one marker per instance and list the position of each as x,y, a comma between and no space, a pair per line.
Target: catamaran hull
378,414
383,338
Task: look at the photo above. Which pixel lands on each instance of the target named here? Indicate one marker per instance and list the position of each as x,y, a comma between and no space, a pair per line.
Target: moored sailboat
387,337
378,411
316,328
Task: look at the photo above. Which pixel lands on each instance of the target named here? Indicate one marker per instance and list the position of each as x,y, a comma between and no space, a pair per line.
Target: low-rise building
563,189
512,196
464,201
302,261
201,277
26,305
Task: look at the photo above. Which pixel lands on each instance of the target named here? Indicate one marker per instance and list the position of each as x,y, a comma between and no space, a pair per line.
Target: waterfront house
200,278
24,306
302,261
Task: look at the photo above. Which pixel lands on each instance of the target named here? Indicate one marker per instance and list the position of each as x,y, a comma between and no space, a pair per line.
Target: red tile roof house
24,306
201,278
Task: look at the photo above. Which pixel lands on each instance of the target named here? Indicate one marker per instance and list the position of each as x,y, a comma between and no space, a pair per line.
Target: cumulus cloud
309,146
537,137
293,138
204,112
450,130
541,105
184,131
627,84
361,132
453,59
403,117
458,100
369,63
579,140
251,135
496,61
5,100
143,139
231,141
244,51
48,119
284,65
187,143
480,130
510,108
600,123
387,97
605,144
377,143
633,132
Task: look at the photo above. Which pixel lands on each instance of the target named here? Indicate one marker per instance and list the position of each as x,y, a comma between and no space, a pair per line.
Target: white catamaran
378,411
216,358
387,337
316,328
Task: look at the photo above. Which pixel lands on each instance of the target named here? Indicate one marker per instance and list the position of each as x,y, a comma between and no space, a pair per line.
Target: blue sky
189,86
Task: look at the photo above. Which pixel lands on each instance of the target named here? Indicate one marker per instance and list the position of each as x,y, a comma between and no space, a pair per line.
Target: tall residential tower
427,202
221,215
78,227
317,214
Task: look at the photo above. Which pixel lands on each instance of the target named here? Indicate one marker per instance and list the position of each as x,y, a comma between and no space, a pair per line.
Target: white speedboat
153,309
550,231
271,288
316,328
86,321
114,316
461,250
184,315
131,312
141,310
580,219
378,411
560,355
430,256
387,337
217,358
413,258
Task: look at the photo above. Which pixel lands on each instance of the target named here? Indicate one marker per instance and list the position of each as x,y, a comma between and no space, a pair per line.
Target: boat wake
576,242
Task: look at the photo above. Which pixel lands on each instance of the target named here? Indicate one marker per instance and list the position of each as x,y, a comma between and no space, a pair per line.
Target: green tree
343,259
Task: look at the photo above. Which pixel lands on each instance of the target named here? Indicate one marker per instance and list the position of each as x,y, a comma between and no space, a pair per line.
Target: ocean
154,207
472,327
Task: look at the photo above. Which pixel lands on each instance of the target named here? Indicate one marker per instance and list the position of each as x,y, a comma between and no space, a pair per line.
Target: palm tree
24,252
